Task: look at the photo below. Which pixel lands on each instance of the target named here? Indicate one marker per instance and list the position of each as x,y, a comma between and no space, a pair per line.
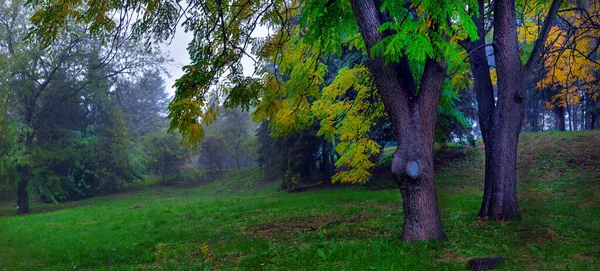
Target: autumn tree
571,66
500,119
409,46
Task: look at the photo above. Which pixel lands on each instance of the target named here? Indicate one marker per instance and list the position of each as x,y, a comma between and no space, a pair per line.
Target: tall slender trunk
22,194
575,120
326,171
590,114
570,117
535,123
22,198
501,121
560,118
582,120
543,121
413,121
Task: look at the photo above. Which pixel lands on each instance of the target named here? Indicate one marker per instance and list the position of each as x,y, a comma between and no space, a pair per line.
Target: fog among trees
446,101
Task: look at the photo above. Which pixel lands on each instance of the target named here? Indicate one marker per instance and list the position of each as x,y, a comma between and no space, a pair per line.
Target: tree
571,66
407,64
165,154
71,77
234,126
212,152
144,103
500,121
291,158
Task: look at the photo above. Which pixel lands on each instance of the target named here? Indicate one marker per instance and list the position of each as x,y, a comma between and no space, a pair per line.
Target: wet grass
235,222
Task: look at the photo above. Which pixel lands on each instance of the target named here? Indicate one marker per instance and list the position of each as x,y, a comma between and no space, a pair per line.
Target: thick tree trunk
560,118
413,121
501,123
22,198
500,201
412,167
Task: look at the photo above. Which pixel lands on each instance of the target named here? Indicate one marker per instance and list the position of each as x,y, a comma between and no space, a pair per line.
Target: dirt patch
539,234
341,226
350,225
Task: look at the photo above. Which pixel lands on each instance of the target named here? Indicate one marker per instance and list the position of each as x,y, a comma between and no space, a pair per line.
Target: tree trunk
22,194
22,197
574,108
560,118
326,163
536,112
501,123
500,201
591,120
412,167
570,117
413,121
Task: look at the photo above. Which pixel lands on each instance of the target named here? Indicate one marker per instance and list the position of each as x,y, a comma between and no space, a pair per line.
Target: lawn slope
235,224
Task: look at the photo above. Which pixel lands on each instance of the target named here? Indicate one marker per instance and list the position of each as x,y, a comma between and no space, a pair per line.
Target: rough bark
413,121
500,201
501,123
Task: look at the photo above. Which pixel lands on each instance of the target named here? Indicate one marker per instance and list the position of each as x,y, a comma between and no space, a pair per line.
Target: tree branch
540,42
477,48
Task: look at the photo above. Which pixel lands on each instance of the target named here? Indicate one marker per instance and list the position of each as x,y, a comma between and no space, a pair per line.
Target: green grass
235,222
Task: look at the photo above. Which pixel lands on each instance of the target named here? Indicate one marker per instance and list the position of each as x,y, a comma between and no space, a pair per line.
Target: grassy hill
237,222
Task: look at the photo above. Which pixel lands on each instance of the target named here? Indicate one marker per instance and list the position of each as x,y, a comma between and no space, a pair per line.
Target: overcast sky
177,50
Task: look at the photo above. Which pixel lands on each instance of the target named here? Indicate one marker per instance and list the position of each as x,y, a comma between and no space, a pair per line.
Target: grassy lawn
238,223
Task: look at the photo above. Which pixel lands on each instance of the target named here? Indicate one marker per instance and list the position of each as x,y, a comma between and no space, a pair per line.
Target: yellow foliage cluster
351,120
289,92
296,95
570,64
